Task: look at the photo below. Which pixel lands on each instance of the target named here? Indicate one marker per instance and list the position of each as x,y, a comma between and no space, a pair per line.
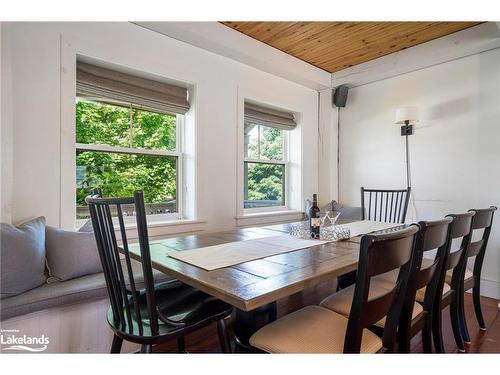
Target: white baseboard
490,288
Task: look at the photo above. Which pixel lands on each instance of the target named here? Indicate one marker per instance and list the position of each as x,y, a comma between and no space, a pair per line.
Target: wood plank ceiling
333,46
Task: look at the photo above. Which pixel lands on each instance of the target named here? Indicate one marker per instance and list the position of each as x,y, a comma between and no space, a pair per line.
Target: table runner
229,254
367,226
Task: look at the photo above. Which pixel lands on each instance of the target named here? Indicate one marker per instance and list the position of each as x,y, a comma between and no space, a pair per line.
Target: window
265,159
120,149
128,137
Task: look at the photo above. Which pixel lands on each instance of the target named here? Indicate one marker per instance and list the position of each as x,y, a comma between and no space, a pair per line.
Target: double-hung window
265,164
128,137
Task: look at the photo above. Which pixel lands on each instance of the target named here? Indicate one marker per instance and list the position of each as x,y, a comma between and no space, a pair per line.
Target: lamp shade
406,114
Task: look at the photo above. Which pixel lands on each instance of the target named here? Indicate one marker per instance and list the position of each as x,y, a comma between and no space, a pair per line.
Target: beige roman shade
106,85
257,114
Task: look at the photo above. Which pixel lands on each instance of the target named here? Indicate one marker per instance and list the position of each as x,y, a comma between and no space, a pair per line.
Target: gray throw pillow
70,254
22,257
87,227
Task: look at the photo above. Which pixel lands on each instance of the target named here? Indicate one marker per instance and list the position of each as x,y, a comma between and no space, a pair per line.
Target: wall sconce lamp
407,116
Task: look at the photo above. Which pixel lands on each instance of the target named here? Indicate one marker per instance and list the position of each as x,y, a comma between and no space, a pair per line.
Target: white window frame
130,220
285,162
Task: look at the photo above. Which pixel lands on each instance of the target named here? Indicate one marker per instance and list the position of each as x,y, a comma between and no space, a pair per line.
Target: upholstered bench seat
80,289
312,329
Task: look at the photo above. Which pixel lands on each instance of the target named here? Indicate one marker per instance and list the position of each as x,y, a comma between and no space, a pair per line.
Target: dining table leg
346,280
246,323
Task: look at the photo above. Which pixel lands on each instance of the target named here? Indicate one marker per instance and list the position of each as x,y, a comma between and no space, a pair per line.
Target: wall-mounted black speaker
340,95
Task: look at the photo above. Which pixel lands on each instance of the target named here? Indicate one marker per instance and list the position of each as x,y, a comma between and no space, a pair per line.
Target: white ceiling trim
480,38
225,41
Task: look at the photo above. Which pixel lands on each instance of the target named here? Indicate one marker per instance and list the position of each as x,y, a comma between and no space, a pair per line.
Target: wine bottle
314,219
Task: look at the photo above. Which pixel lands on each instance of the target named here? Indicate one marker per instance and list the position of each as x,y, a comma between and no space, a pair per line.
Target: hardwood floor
206,340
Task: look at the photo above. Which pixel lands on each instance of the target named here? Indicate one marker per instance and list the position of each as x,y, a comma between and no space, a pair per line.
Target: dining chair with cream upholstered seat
482,220
415,317
316,329
448,294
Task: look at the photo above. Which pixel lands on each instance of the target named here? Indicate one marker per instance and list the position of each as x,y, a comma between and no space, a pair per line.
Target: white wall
455,151
327,149
41,57
5,129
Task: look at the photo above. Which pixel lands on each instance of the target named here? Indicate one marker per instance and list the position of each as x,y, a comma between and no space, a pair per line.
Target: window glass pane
263,142
118,175
98,123
251,141
264,185
154,131
271,143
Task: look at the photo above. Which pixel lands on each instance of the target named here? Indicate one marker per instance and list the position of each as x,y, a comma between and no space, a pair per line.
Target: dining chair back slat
426,274
483,217
385,205
387,256
475,248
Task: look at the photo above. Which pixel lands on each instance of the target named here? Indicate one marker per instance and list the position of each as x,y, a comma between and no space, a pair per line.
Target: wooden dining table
253,287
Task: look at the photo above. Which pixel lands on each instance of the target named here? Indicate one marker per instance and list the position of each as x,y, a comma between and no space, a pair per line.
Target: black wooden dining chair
433,235
379,205
414,317
157,313
482,220
448,294
385,205
316,329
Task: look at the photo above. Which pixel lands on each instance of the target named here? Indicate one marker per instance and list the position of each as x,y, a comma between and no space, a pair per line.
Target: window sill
168,223
271,217
167,228
268,213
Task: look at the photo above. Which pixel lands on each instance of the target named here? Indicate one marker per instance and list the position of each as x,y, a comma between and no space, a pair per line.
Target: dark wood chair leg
116,346
461,316
455,321
476,297
427,334
225,342
403,335
181,345
146,348
437,333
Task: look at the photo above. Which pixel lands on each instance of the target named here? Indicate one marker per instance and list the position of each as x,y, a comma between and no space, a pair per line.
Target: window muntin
264,167
120,149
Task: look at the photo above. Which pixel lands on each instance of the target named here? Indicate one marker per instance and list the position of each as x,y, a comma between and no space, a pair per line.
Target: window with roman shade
266,157
128,131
